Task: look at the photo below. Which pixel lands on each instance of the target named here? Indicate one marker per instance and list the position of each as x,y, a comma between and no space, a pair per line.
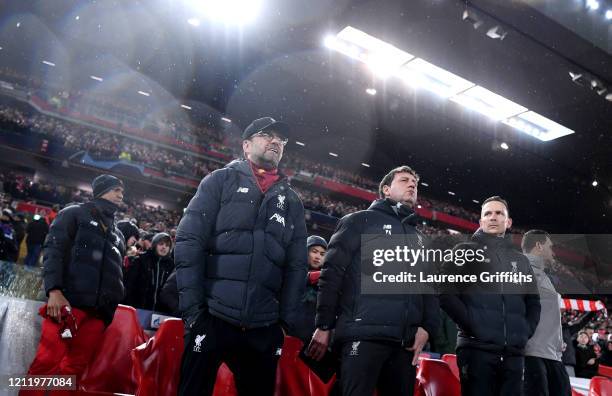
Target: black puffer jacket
83,257
241,254
145,279
369,316
494,321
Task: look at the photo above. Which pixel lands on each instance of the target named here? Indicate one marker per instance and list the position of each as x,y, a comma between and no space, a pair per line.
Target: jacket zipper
156,283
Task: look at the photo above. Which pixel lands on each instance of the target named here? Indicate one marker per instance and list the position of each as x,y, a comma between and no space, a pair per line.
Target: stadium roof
155,54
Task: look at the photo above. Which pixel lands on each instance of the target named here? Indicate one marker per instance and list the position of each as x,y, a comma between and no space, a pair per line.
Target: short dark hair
532,237
388,179
496,198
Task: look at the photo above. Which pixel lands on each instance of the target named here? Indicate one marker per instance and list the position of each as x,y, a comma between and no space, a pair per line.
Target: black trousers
486,373
252,356
545,377
369,365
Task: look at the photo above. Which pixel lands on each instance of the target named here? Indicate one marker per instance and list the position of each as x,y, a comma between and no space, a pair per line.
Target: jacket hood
243,166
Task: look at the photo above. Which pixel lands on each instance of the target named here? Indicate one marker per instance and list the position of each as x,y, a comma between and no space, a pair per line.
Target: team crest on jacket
354,348
278,218
198,343
281,202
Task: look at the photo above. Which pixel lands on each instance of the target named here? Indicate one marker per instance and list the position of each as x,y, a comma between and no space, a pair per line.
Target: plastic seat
436,379
111,369
451,360
600,386
224,384
292,373
604,371
157,363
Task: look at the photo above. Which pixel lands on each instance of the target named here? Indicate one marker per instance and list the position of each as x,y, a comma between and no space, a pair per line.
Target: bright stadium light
609,15
592,4
333,154
371,91
193,21
364,164
186,107
595,183
46,62
143,93
300,143
96,78
226,119
383,58
230,12
422,74
488,103
538,126
504,146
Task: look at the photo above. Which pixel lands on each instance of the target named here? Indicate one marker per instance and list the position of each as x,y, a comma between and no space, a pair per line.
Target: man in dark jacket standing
241,263
494,325
148,273
83,279
379,336
36,233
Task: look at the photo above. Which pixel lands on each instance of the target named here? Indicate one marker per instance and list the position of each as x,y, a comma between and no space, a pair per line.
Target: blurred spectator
586,359
148,273
606,356
37,232
571,323
8,245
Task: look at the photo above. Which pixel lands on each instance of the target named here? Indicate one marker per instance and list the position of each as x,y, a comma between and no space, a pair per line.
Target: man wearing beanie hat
83,255
148,273
241,263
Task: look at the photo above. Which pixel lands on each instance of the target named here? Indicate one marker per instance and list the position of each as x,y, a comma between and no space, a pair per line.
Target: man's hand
591,361
318,344
55,304
420,339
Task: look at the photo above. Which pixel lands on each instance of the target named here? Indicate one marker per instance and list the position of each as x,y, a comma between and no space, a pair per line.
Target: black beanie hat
128,229
104,183
315,240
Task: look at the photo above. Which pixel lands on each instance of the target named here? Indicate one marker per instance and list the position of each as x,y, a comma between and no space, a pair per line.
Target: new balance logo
279,351
198,343
243,190
387,228
93,223
278,218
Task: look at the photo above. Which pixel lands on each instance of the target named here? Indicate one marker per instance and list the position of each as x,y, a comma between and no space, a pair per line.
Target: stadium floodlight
451,193
595,183
46,62
333,154
488,103
230,12
96,78
371,91
143,93
364,164
538,126
424,184
186,107
592,4
504,146
300,143
226,119
609,15
383,58
193,21
475,201
422,74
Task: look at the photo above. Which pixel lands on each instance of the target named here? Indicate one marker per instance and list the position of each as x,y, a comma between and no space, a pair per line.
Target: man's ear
508,223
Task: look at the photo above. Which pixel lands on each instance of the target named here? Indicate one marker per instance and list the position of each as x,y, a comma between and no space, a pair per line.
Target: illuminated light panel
488,103
538,126
421,74
383,58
